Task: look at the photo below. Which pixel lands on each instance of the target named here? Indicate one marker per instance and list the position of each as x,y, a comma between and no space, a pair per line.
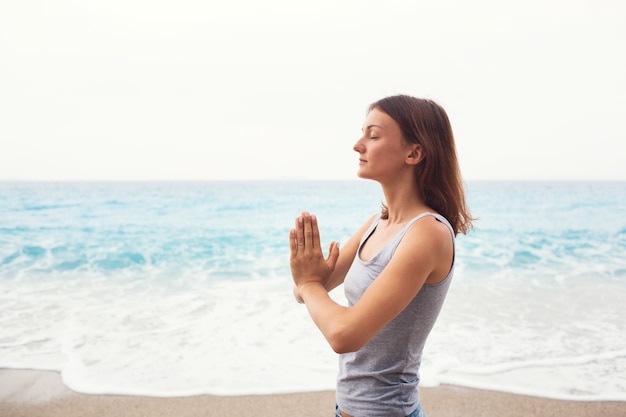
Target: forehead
380,119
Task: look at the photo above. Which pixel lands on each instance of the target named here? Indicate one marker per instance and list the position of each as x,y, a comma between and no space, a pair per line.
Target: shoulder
430,223
428,234
428,246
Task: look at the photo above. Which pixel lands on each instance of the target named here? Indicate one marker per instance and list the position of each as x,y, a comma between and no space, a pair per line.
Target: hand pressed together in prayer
307,261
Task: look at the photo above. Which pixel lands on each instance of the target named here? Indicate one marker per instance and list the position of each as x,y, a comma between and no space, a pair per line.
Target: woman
396,269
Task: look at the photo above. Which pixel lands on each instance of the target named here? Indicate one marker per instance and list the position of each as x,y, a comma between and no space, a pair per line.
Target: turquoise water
184,288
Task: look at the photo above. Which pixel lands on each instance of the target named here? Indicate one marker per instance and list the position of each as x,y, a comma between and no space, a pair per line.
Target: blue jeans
419,412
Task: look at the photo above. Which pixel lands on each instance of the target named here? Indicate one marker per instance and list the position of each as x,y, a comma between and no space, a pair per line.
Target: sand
30,393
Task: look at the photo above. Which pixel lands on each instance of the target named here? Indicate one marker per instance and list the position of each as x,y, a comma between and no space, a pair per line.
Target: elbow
340,347
344,342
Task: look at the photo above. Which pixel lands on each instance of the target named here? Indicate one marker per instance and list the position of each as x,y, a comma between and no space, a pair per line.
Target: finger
333,255
315,234
293,245
300,231
308,232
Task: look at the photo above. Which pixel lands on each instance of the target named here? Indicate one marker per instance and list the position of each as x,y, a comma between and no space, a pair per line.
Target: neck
402,201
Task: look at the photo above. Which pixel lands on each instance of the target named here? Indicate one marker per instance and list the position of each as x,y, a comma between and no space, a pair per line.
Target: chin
361,172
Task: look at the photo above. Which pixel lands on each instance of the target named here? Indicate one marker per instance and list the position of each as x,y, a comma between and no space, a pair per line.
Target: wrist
297,296
308,287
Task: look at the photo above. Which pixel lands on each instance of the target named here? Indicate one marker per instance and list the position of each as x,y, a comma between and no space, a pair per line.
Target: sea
183,288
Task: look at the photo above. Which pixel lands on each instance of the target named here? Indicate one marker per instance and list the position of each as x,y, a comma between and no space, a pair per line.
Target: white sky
183,90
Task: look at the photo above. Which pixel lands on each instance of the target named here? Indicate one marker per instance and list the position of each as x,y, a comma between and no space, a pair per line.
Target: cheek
391,153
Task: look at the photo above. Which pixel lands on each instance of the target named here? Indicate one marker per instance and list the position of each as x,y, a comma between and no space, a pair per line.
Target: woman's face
382,148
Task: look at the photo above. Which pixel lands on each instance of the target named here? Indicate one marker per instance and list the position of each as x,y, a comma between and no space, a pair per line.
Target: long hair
439,181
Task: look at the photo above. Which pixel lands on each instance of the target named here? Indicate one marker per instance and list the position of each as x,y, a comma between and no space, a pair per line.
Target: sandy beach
31,393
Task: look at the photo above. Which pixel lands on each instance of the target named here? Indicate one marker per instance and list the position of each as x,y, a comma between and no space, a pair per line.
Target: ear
416,155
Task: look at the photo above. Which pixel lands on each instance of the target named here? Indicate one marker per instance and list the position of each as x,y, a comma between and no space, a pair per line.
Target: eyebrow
371,126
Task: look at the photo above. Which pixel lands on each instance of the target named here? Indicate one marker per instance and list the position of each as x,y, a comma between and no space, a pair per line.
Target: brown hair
439,182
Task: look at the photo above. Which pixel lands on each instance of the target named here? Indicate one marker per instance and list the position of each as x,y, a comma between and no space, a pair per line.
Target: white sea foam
248,337
228,338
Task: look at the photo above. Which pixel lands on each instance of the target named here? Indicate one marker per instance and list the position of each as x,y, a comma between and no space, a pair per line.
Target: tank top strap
396,240
437,216
369,230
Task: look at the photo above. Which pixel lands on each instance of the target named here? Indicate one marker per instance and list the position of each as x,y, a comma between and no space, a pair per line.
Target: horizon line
290,179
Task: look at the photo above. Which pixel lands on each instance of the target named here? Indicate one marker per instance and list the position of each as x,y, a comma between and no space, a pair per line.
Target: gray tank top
381,378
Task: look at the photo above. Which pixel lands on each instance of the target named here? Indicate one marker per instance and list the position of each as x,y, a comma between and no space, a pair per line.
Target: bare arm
423,254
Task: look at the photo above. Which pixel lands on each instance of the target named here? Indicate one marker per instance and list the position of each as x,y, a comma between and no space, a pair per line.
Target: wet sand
28,393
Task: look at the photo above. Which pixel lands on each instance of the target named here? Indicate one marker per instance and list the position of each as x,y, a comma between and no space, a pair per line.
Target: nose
359,146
